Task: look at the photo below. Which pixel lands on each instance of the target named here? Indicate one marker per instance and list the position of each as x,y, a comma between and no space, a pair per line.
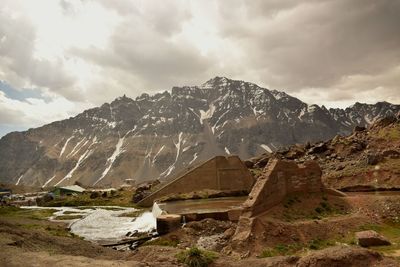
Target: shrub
315,244
318,210
162,242
266,253
195,257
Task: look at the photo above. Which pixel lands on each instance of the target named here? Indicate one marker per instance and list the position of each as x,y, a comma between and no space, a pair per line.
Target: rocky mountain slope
157,136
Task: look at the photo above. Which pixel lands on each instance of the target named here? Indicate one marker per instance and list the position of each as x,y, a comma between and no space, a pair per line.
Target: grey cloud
11,117
315,44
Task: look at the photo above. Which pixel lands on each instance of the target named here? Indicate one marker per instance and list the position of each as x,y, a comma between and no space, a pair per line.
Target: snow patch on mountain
159,151
267,148
207,114
81,159
65,146
19,180
110,161
49,181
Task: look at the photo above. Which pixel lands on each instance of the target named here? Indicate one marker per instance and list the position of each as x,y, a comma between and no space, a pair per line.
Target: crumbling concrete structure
219,173
279,179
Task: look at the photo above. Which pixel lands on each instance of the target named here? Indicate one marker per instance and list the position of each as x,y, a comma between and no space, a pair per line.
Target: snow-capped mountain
157,136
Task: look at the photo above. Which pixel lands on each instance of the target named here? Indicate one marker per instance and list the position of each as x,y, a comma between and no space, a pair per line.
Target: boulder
373,159
319,148
371,238
249,164
391,153
94,194
359,129
262,162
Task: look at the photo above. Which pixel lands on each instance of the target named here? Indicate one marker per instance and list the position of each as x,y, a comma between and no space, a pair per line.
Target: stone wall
218,173
279,179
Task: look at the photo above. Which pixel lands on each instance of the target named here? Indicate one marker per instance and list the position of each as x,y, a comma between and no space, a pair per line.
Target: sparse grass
256,172
68,217
195,257
389,133
301,248
281,250
111,208
161,242
35,219
67,212
35,214
293,211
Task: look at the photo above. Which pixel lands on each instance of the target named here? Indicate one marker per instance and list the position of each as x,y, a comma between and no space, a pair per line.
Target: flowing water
103,224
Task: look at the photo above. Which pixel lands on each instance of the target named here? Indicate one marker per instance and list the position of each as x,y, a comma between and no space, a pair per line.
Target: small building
68,190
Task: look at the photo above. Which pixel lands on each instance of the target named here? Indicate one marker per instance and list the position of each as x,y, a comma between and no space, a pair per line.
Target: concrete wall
279,179
218,173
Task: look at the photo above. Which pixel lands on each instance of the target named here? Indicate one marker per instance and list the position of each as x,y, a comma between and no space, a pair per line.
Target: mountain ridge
157,135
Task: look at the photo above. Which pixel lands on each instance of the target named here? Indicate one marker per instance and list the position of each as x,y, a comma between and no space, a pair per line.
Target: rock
359,129
307,145
373,159
139,196
168,223
295,153
94,194
229,232
213,242
319,148
341,256
383,122
339,167
357,146
41,201
391,153
262,162
371,238
249,164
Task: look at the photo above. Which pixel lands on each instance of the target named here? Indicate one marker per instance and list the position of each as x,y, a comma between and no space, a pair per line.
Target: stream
102,224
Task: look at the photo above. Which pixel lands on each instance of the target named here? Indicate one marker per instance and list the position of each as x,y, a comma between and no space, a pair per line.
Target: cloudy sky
59,57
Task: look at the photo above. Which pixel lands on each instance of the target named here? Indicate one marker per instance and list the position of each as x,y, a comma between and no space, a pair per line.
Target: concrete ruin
219,173
279,179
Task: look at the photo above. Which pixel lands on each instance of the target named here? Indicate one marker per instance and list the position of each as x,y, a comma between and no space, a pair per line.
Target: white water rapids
102,225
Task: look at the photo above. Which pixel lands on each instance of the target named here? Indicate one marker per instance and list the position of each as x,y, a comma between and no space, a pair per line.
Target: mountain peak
216,81
122,99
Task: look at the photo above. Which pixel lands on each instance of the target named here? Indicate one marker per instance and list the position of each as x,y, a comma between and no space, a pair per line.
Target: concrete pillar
168,223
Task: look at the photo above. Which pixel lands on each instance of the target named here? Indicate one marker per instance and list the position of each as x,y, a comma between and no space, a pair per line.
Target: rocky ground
28,239
304,230
366,160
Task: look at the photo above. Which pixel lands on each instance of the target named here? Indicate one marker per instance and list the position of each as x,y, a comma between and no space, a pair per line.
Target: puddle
202,205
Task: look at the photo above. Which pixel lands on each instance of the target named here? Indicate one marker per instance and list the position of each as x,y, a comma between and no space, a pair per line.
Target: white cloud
34,112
